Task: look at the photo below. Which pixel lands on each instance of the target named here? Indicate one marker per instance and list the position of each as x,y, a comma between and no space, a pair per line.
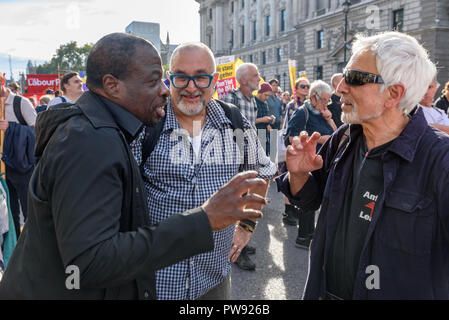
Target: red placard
38,84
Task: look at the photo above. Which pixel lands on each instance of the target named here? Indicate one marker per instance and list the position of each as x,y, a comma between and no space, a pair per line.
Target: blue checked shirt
248,107
178,181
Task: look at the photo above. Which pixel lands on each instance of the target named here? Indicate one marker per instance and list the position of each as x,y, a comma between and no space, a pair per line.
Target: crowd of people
166,199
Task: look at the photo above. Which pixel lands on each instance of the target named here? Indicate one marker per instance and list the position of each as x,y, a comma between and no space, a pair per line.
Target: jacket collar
406,144
102,112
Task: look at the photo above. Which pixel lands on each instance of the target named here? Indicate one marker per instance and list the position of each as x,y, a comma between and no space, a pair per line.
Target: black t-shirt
360,199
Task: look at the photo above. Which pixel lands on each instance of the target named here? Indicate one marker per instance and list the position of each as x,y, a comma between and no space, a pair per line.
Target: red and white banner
38,84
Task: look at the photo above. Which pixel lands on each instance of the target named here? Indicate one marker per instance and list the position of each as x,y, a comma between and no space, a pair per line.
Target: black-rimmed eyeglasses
359,78
201,81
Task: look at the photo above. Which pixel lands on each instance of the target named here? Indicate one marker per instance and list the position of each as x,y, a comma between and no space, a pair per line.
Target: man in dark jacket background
87,236
383,227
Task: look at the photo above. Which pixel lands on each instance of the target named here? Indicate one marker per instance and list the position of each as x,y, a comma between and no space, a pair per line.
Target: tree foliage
68,57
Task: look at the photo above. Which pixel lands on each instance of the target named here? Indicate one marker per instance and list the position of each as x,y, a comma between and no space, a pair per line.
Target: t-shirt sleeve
28,112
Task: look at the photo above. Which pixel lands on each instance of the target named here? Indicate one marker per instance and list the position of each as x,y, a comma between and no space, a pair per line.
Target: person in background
43,102
302,87
275,104
265,120
17,126
434,116
72,89
335,106
312,117
14,87
443,101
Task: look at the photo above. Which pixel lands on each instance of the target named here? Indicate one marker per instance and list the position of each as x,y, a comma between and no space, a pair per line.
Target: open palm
301,155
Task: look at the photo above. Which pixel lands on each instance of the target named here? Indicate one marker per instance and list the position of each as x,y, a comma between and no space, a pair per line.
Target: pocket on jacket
407,223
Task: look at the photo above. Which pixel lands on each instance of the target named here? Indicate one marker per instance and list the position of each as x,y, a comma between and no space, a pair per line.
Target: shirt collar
124,119
238,91
215,118
10,98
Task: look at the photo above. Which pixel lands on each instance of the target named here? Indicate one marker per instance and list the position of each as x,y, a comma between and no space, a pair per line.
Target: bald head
193,46
113,54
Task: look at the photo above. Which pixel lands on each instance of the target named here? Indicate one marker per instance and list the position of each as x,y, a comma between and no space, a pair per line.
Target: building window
319,72
283,19
209,40
278,54
268,25
232,6
231,42
242,34
243,4
254,30
264,57
398,20
320,39
251,59
210,14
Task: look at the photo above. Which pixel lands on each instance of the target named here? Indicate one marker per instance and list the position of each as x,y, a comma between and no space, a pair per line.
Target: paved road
281,269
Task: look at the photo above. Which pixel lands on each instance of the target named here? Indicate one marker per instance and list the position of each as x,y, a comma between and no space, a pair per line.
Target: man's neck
384,129
193,124
71,96
246,91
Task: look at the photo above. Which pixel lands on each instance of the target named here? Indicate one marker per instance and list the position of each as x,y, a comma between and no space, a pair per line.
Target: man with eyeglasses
383,227
193,157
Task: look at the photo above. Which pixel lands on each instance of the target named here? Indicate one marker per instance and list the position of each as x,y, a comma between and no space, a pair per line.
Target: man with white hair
248,77
383,226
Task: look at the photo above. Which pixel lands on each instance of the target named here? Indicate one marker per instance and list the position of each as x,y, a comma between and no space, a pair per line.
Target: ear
111,86
394,94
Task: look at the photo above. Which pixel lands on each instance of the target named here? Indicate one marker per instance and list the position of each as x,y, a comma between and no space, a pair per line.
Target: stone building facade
270,32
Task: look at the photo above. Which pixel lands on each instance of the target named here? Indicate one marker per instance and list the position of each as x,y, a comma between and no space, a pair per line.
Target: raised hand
302,159
229,204
301,154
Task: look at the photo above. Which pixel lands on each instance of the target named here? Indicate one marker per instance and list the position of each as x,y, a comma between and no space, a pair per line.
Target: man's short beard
190,111
353,116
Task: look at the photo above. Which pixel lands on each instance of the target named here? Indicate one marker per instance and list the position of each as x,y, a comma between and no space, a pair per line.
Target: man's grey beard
189,111
353,117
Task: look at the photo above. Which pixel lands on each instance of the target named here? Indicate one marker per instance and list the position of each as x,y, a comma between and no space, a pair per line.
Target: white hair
334,78
400,59
193,46
319,87
242,70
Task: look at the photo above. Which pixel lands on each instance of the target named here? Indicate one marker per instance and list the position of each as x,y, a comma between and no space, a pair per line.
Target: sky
34,29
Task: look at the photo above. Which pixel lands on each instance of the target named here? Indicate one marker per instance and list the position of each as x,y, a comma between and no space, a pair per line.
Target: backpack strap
64,100
18,110
233,113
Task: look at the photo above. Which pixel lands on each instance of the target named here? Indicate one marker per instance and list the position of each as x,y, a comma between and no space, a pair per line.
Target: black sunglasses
304,86
359,78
